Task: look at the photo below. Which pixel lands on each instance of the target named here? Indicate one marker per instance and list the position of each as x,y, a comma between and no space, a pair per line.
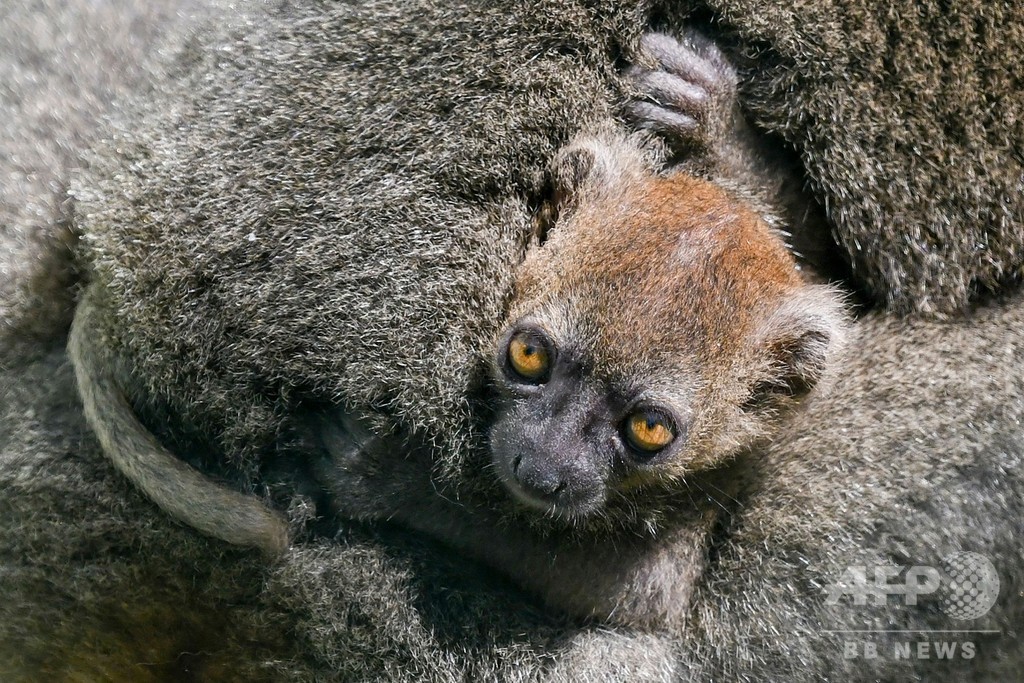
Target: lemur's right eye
529,357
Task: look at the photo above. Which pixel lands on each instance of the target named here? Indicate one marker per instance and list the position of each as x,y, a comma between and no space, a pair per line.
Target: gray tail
177,488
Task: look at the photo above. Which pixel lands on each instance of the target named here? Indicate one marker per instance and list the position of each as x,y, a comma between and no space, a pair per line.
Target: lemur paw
686,90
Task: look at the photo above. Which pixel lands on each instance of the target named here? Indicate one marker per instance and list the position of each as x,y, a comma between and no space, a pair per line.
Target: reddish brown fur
697,261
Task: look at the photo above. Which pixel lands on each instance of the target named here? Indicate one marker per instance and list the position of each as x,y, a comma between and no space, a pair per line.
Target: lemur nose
543,482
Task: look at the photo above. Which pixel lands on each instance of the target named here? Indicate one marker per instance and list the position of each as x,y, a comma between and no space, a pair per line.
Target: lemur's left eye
529,357
649,431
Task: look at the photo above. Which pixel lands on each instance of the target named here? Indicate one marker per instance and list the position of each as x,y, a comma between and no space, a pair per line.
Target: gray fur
179,490
909,123
461,203
916,452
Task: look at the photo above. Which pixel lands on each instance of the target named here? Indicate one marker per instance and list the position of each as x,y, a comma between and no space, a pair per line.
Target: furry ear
568,175
570,171
593,165
596,165
802,339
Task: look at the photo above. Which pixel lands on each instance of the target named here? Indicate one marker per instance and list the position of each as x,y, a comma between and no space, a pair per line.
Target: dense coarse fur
915,453
908,120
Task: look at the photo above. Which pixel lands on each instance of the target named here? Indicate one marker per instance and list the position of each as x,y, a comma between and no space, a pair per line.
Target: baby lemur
664,325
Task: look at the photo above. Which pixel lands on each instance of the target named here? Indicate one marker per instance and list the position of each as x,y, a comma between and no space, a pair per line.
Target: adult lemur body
661,328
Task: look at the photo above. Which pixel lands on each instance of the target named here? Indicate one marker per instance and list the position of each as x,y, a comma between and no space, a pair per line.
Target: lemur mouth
556,498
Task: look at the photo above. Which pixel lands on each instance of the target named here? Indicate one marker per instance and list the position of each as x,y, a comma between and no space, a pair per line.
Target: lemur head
662,328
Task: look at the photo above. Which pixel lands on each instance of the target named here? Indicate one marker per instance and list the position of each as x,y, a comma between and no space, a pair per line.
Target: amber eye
529,356
648,431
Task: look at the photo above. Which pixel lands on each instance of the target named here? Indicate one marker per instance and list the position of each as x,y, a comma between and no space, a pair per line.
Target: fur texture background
908,118
301,227
222,221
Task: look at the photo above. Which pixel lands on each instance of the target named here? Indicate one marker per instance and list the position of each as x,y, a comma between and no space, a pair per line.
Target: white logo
967,586
972,588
